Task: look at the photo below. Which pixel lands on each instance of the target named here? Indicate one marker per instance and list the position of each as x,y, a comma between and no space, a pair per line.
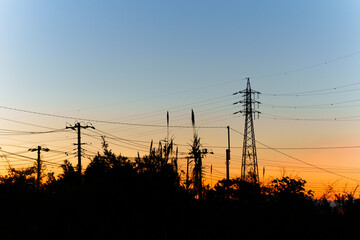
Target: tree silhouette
195,153
143,199
286,188
24,177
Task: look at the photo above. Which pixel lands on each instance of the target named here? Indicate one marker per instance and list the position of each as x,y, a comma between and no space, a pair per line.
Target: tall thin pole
167,126
79,147
167,142
200,176
38,149
228,156
77,128
38,167
227,163
211,175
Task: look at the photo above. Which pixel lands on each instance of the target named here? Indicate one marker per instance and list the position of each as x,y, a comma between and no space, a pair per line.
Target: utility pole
168,148
167,143
210,175
38,149
249,165
228,161
77,127
167,126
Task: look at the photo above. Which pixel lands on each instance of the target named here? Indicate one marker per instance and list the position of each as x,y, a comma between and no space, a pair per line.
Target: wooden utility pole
38,149
228,156
77,127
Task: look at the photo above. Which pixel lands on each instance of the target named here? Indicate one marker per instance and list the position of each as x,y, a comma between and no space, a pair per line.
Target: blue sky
133,60
94,51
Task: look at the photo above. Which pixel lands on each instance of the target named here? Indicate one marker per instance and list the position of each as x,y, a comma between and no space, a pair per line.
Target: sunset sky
131,61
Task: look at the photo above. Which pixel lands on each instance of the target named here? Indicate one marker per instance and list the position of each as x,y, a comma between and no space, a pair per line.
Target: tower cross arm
249,166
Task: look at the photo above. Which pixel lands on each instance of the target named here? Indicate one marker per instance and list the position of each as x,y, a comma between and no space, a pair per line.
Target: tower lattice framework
249,164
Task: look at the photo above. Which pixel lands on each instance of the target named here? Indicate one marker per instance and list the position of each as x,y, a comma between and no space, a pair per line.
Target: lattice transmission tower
249,164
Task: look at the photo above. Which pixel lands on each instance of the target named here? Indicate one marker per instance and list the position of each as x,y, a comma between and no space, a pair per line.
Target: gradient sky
131,61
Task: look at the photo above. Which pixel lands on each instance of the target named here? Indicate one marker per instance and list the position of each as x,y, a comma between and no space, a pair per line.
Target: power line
324,105
325,166
123,140
104,121
116,144
210,101
147,133
309,66
299,160
20,152
27,158
324,91
340,119
314,148
25,123
179,107
17,132
289,148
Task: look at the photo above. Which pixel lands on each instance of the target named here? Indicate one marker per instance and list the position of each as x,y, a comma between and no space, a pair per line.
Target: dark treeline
145,199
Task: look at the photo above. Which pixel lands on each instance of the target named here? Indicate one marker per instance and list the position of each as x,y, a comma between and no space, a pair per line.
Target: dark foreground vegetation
145,199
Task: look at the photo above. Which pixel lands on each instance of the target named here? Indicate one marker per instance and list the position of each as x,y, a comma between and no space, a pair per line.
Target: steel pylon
249,164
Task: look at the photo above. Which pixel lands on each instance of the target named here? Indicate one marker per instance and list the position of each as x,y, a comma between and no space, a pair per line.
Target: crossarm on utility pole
77,127
38,149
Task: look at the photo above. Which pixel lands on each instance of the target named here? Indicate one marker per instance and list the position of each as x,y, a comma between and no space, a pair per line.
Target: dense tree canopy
117,198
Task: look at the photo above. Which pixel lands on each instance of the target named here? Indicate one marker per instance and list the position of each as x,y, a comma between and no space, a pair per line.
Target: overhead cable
299,160
103,121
